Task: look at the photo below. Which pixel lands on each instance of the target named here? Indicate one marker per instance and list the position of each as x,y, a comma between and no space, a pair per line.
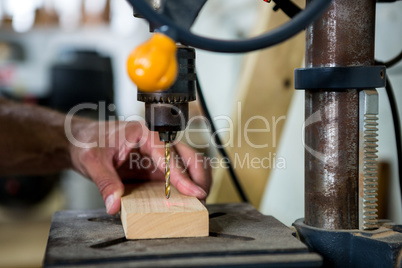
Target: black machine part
24,191
167,111
183,13
280,34
354,248
82,76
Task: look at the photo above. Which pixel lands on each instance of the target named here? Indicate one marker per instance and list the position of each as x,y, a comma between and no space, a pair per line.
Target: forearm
32,140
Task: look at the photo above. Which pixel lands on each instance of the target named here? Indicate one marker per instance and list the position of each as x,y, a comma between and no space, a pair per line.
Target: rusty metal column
343,36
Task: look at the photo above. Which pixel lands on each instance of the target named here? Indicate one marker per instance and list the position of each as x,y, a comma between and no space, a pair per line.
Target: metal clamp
340,78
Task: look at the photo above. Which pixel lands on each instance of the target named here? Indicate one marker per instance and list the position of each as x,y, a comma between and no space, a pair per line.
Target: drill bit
167,169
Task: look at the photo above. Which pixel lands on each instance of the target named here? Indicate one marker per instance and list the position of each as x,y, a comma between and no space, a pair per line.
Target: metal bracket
182,12
338,78
354,248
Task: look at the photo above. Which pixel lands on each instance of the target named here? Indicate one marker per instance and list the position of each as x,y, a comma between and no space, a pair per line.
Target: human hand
108,152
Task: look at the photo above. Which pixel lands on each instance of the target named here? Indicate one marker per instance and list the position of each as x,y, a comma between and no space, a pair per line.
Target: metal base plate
239,236
355,248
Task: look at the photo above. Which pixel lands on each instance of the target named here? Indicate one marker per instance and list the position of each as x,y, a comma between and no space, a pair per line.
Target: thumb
109,184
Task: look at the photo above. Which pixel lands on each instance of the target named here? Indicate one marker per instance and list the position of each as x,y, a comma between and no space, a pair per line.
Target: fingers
178,175
129,136
106,179
139,167
191,178
198,166
110,187
180,178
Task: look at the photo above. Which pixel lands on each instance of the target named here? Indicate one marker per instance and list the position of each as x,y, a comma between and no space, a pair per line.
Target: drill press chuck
167,111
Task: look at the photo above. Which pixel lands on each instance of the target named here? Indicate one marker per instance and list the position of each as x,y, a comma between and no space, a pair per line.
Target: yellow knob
152,66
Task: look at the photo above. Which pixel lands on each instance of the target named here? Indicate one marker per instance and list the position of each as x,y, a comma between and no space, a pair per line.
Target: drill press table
239,236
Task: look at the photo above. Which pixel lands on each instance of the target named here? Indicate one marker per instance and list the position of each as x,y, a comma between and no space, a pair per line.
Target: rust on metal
343,36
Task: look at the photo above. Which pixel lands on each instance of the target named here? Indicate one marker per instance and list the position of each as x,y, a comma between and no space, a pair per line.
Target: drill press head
167,111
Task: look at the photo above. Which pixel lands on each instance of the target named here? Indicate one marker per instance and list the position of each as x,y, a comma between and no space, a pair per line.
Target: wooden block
146,213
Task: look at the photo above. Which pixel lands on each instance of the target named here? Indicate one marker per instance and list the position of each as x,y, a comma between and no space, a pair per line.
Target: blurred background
60,53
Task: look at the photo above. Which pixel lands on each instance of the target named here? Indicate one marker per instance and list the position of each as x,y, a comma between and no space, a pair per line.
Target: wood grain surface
146,213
